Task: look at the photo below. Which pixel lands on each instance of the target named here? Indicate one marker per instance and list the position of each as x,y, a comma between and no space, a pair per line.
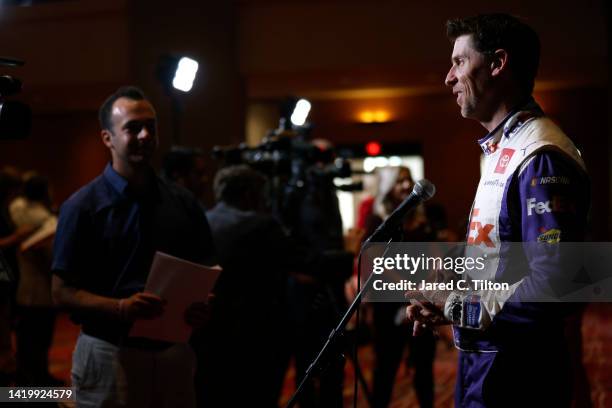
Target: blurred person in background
10,238
11,235
316,300
36,314
8,364
244,349
186,167
391,334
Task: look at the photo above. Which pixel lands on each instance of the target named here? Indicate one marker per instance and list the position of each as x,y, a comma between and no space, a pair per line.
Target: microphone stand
337,332
422,191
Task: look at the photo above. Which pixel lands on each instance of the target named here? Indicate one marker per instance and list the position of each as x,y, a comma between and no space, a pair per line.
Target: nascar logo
549,180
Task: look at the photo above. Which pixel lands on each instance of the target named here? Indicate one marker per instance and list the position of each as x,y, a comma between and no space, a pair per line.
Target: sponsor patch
495,183
504,160
537,207
482,231
542,181
556,204
552,236
471,311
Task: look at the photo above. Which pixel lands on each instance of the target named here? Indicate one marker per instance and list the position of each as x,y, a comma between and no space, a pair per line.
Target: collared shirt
108,234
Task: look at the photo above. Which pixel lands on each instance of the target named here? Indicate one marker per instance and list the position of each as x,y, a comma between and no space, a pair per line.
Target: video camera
15,116
289,154
296,167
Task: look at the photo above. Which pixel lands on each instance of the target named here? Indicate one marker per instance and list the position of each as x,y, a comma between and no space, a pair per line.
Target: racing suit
533,188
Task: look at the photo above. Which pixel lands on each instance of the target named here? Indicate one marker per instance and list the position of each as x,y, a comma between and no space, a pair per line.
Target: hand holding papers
181,283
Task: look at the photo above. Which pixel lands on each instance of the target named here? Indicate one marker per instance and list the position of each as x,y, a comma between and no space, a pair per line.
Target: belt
120,339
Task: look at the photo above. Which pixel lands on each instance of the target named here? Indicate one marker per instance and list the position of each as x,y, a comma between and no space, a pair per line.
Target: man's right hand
141,305
423,313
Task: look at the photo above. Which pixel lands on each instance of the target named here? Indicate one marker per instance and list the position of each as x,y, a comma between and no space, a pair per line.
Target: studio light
185,74
300,112
176,74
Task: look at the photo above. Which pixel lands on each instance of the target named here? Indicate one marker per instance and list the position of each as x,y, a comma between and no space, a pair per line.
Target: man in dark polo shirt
107,236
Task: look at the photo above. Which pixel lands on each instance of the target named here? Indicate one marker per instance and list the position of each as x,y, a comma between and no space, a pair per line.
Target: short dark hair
491,32
232,183
35,187
104,114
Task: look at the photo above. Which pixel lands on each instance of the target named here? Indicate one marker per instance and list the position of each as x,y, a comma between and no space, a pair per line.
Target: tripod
331,344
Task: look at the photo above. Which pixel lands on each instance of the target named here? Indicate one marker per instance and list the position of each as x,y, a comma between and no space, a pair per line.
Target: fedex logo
556,204
482,232
537,207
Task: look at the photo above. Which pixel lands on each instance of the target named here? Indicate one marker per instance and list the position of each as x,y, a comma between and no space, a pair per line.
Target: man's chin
467,113
140,159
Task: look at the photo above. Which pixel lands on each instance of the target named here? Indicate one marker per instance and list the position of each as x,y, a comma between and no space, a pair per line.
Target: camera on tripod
285,152
15,116
296,167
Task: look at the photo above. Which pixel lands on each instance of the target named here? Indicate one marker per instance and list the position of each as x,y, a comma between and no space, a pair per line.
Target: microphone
422,191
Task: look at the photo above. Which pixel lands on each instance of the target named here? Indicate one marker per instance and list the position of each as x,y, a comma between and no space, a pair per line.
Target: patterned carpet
597,359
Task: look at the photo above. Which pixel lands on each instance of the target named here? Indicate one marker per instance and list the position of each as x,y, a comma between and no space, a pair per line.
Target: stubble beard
468,108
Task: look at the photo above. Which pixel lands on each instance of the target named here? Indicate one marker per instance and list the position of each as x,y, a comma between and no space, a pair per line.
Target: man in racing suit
533,189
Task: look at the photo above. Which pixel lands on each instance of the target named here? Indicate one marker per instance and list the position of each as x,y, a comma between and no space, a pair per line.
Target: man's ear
106,138
499,62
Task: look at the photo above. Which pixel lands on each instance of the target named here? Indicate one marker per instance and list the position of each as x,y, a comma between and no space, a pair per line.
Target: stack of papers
180,283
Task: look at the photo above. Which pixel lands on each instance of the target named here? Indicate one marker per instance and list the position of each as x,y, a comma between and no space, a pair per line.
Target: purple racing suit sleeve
551,203
547,203
553,196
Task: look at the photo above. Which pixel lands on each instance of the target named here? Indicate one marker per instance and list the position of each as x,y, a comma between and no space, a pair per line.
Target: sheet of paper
180,283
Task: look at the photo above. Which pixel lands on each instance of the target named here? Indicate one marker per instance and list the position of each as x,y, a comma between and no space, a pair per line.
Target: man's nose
145,133
450,79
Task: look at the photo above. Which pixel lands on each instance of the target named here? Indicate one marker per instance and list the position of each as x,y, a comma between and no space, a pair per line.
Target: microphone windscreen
424,189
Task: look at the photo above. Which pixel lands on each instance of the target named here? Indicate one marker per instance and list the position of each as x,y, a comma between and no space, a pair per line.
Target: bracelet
453,309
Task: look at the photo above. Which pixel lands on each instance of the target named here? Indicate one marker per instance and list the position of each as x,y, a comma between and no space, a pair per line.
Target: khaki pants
106,375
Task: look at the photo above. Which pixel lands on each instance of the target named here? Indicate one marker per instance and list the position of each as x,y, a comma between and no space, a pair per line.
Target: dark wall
582,114
79,55
64,147
213,112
